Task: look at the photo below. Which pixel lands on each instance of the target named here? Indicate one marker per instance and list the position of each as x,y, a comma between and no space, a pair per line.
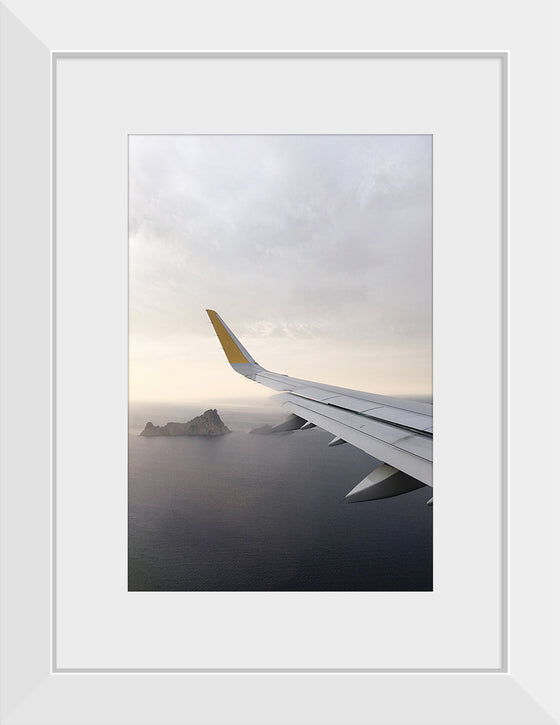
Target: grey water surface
248,512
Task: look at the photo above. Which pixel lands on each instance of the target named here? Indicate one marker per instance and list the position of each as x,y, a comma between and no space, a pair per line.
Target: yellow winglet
230,344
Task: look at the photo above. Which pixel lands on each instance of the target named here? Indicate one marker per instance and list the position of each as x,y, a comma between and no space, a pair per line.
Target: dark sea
248,512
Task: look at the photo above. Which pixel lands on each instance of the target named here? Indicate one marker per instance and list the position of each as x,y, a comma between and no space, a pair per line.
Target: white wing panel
312,392
345,401
381,440
419,445
401,417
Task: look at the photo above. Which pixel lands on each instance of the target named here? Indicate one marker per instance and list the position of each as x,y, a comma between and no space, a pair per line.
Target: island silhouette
207,424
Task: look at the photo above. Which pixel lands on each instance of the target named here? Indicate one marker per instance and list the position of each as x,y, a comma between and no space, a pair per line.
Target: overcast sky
316,250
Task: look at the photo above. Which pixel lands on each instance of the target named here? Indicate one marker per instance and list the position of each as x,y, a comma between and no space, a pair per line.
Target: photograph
280,363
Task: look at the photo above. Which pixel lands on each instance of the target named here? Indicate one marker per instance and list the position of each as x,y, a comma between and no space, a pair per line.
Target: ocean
248,512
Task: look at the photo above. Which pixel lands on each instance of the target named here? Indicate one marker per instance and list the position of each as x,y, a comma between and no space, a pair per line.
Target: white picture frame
523,690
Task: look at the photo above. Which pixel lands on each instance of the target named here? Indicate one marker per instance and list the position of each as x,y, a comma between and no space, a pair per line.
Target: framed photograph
89,150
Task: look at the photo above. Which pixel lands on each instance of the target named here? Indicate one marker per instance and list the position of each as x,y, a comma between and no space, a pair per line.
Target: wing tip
233,349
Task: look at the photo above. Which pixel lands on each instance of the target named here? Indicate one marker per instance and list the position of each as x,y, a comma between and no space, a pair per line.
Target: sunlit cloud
315,249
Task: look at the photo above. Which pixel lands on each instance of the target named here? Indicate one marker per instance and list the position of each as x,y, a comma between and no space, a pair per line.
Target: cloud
297,237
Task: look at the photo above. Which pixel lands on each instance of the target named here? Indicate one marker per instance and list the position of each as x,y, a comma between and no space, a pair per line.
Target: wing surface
394,431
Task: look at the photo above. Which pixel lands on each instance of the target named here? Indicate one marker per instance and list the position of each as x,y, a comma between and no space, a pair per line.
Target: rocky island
263,430
292,422
207,424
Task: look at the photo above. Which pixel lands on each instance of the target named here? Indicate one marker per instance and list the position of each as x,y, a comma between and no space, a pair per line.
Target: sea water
249,512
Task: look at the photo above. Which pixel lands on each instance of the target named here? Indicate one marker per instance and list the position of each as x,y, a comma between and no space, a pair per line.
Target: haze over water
247,512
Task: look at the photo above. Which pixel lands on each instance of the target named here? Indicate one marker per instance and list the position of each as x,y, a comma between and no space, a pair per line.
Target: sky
315,250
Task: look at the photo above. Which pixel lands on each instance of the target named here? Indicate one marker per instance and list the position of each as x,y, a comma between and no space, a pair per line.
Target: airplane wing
398,433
